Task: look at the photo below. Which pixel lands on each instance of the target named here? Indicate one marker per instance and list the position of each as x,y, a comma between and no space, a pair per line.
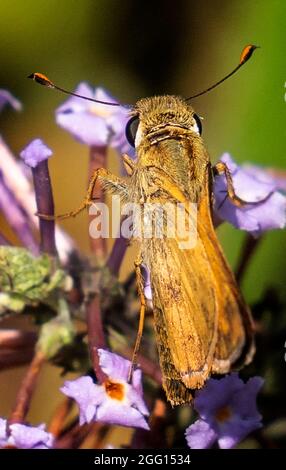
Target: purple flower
228,413
275,176
7,98
35,152
95,124
113,402
253,185
18,183
35,155
23,436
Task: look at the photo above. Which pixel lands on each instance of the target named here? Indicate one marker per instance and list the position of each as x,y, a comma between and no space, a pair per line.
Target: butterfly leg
117,185
140,286
129,164
222,169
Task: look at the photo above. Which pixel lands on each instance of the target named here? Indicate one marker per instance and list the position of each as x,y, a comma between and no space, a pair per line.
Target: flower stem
16,348
249,247
27,388
59,417
10,358
98,159
74,435
45,205
96,338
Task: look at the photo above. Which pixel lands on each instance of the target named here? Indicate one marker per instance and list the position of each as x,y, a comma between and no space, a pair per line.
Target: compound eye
198,125
131,130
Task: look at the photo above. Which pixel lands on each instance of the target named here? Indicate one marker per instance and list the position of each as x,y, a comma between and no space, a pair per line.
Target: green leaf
28,281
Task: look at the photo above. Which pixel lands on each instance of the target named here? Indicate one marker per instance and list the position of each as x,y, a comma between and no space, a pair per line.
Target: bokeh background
136,49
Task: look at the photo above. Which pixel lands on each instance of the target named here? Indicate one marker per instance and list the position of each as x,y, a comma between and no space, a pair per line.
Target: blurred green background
136,49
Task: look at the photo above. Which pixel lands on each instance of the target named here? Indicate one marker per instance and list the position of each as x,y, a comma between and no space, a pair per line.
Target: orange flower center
223,414
114,389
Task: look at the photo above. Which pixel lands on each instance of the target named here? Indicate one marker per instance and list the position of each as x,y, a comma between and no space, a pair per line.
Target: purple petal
7,98
216,394
113,365
94,124
244,402
235,216
86,128
102,95
252,186
280,182
200,435
235,430
3,432
122,415
136,400
137,381
35,152
271,175
80,389
268,215
29,437
74,104
87,395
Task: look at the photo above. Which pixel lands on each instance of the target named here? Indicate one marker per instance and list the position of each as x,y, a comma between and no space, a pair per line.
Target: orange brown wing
235,344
